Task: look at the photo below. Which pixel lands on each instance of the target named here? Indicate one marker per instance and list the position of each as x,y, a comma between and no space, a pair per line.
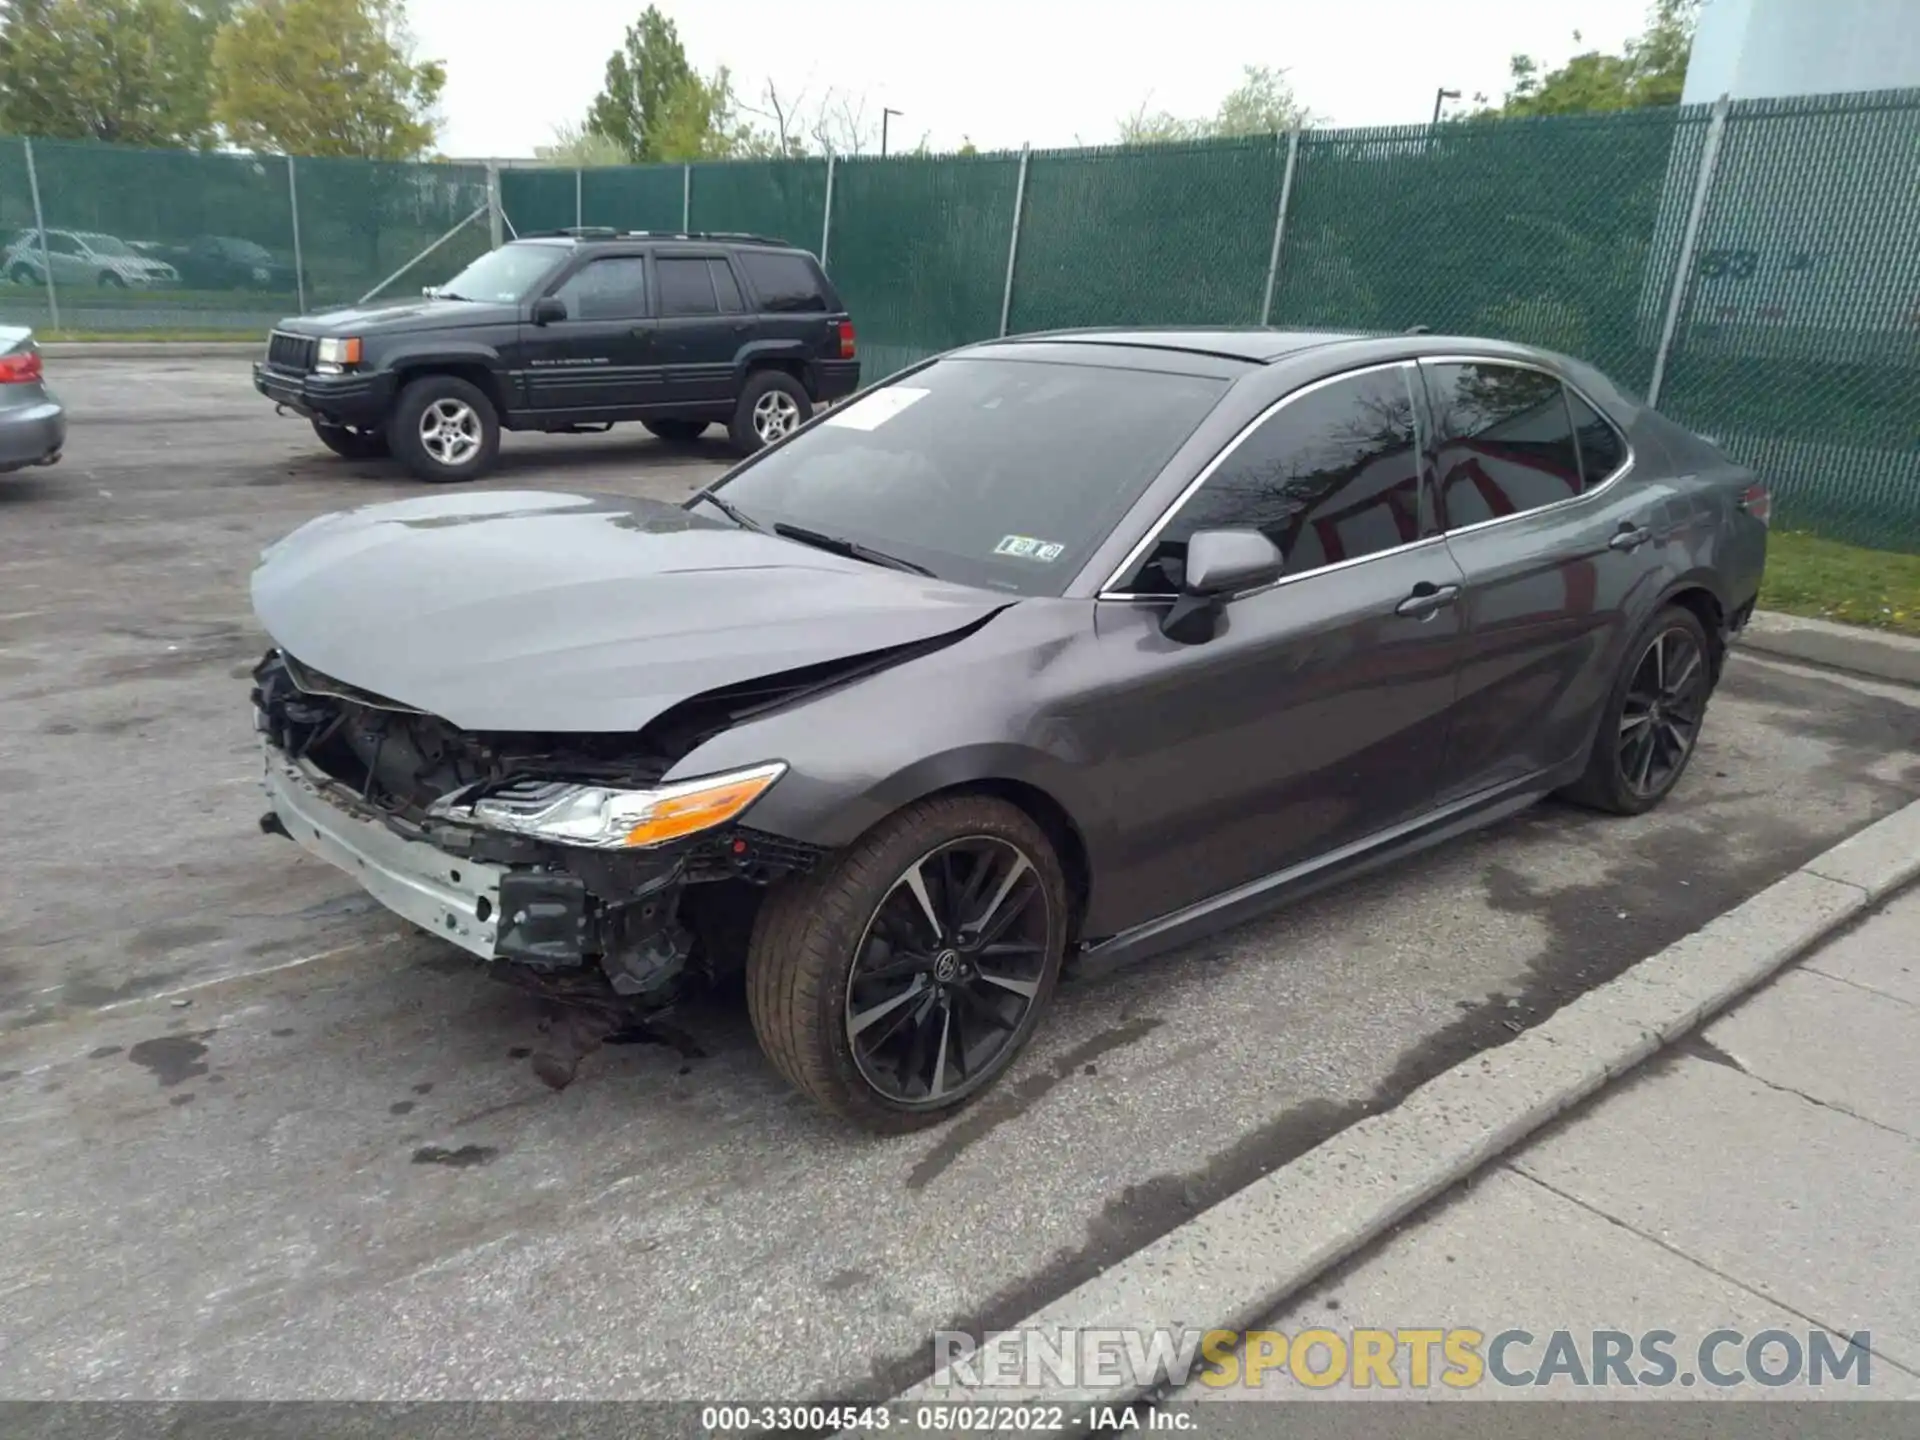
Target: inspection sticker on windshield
1028,548
873,411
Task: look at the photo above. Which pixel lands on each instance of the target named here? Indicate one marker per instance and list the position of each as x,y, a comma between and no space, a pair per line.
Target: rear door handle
1427,600
1631,537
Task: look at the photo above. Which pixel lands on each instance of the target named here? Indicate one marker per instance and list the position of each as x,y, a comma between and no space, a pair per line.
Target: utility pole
884,113
1440,95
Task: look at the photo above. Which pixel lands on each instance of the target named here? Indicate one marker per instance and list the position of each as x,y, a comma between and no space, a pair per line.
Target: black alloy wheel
948,972
1660,721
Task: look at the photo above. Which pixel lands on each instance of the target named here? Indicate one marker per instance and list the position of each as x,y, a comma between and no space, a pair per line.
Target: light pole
1440,95
884,113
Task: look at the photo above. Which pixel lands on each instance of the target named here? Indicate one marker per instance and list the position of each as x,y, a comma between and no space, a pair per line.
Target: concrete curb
1236,1264
1876,654
150,349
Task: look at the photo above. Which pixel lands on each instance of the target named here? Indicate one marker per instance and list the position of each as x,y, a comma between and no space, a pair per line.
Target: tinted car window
1503,441
1332,475
992,472
58,244
611,289
726,287
1602,449
783,281
686,288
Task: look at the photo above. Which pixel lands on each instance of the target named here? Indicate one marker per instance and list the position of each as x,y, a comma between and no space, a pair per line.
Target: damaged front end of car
567,859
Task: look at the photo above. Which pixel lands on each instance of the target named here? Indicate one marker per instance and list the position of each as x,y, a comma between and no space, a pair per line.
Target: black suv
568,333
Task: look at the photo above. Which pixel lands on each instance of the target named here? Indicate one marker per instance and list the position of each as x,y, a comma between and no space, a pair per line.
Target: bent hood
531,611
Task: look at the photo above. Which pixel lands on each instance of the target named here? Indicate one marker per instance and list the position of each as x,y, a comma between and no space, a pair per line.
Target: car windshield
246,250
999,472
107,245
505,275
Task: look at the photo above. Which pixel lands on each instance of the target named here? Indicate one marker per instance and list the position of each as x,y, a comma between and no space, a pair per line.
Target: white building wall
1754,49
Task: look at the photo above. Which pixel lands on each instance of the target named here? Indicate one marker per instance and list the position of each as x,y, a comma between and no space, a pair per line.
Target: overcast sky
1003,72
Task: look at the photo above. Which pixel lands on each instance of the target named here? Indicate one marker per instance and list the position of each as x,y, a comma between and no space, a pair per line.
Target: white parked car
83,257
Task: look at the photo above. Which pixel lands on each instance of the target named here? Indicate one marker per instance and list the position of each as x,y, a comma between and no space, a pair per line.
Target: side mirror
549,308
1219,563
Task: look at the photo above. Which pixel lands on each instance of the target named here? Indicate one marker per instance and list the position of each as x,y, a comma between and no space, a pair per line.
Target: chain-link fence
104,240
1755,267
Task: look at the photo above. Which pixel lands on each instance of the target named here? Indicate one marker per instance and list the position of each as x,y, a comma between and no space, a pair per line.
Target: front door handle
1630,537
1427,600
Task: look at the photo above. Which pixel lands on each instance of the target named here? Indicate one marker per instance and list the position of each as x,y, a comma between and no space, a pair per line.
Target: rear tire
444,430
352,444
24,275
953,906
676,432
1650,725
773,405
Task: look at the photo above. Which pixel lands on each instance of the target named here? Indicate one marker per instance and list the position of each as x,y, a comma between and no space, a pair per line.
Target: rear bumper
837,378
32,435
358,400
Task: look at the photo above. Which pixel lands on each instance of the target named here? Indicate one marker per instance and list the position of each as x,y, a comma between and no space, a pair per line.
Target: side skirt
1256,897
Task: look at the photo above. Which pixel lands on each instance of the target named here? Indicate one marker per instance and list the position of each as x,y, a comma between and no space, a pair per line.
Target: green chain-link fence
1758,264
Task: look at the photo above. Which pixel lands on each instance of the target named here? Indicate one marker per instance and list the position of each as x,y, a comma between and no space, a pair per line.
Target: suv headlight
607,819
336,354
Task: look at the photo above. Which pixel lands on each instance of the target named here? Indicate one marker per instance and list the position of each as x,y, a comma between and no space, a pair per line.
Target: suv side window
1503,441
726,287
59,243
686,287
1332,475
1603,449
783,281
613,287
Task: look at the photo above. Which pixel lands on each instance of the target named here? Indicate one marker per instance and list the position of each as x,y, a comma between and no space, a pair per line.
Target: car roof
1254,346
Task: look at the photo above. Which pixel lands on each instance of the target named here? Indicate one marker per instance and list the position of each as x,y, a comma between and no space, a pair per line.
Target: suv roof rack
607,232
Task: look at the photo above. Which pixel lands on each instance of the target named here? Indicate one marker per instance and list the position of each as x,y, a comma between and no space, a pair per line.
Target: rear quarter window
784,281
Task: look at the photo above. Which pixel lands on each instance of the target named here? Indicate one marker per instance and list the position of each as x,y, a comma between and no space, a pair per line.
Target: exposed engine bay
627,931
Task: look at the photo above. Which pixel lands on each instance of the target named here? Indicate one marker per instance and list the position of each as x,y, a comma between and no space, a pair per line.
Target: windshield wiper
852,549
727,508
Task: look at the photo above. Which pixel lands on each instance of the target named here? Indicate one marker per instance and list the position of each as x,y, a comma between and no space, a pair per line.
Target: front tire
676,432
351,444
111,281
444,429
900,981
773,406
1651,723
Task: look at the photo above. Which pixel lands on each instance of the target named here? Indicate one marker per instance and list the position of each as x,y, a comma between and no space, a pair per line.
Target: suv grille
292,352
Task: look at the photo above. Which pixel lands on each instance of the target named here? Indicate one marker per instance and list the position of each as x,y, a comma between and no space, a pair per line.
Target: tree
1651,70
325,77
656,106
129,71
577,147
1261,104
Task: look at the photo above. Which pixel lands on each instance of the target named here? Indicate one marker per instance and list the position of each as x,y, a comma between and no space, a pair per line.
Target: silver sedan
33,427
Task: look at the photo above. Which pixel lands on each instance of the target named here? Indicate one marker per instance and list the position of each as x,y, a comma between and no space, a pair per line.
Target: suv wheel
901,980
350,443
677,432
111,281
773,406
444,429
24,275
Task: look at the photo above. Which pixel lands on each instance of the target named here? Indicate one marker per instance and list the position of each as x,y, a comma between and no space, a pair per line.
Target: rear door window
783,280
1503,441
686,287
1603,449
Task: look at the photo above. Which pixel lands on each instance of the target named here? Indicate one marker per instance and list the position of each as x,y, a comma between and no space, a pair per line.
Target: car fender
760,352
436,349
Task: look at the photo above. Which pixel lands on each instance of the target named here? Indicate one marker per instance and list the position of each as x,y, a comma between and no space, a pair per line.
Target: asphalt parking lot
264,1143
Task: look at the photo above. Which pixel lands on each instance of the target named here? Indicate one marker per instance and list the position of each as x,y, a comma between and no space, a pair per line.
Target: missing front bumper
456,898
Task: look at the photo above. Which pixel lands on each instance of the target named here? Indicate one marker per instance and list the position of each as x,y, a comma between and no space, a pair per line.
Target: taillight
19,368
1757,501
846,340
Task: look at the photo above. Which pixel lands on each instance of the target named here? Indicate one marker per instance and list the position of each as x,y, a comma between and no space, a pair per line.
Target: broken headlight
607,819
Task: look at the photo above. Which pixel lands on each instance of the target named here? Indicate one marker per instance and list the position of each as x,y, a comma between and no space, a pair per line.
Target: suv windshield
505,275
106,245
988,471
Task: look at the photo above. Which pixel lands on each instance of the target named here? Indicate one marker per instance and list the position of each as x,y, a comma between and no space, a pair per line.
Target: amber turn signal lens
685,811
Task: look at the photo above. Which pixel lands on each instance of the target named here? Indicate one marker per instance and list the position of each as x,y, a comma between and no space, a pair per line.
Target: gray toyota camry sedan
1077,643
